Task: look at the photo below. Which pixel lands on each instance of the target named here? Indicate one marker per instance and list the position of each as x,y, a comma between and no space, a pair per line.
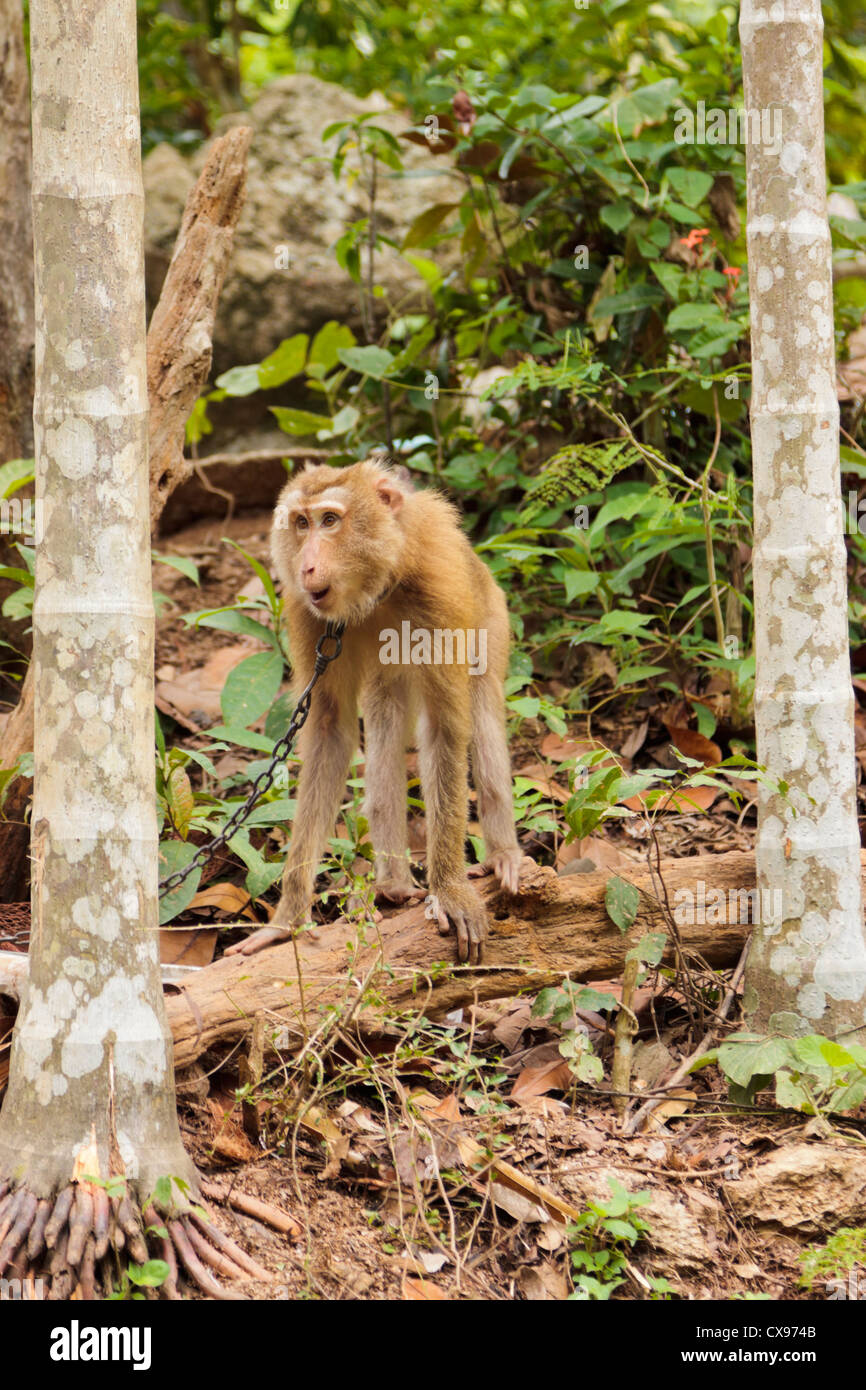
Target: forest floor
375,1155
461,1158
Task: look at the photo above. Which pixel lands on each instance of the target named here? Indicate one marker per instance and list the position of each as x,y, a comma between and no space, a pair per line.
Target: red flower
695,237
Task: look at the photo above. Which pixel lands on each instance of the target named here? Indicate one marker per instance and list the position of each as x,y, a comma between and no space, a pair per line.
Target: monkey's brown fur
359,544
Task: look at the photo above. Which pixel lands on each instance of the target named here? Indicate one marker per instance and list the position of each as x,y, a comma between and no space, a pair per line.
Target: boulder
284,277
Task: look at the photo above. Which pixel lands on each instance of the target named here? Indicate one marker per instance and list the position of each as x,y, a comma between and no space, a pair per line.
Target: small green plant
811,1074
559,1004
832,1262
601,1238
151,1275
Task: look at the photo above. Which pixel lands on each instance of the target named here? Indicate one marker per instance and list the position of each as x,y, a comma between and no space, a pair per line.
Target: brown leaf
561,750
634,740
510,1029
537,1081
683,801
722,198
187,945
542,1284
423,1291
540,777
448,1109
225,897
473,1156
694,745
602,853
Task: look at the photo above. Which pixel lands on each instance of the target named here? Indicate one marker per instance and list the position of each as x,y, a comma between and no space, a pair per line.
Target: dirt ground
411,1184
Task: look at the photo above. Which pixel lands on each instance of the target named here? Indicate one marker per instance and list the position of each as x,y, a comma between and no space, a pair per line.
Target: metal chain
334,632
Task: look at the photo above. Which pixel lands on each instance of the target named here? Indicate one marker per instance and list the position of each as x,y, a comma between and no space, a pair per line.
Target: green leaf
741,1061
258,568
646,105
345,420
670,276
180,800
299,421
284,362
251,688
325,352
240,381
636,675
150,1275
594,999
691,185
242,738
510,155
650,949
369,361
179,562
232,620
526,706
14,474
277,812
279,715
174,855
689,316
426,223
629,302
427,269
18,576
579,582
621,900
616,215
791,1095
260,875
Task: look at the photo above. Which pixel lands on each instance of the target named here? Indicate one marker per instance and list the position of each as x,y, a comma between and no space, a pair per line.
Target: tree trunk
807,966
179,354
16,241
91,1086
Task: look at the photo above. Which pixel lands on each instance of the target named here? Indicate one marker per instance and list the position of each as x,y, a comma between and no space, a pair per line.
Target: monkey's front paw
504,864
460,909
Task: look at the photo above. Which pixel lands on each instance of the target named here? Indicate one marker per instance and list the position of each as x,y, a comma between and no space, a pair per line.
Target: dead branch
179,340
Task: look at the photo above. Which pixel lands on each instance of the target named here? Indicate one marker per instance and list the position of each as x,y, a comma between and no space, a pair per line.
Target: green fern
578,469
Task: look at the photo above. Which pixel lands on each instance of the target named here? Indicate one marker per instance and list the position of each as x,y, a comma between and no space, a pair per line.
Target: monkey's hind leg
443,746
385,707
491,773
326,745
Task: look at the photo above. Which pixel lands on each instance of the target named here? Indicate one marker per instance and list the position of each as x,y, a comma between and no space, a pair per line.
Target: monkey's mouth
318,596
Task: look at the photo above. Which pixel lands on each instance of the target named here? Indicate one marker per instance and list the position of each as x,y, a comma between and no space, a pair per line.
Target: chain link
333,632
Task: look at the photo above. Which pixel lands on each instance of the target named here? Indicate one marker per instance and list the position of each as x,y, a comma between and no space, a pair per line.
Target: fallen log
556,926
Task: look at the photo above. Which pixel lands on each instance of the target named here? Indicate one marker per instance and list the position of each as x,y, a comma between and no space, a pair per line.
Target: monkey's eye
330,519
301,523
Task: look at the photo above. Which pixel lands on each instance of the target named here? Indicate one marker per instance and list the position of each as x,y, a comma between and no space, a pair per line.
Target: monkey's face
337,539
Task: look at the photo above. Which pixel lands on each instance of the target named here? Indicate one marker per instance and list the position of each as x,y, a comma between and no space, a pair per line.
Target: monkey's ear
390,494
404,477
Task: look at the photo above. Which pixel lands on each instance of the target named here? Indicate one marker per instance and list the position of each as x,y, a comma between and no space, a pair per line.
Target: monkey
361,545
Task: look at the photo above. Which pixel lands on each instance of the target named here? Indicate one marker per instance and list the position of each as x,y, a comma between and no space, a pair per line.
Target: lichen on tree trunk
807,967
